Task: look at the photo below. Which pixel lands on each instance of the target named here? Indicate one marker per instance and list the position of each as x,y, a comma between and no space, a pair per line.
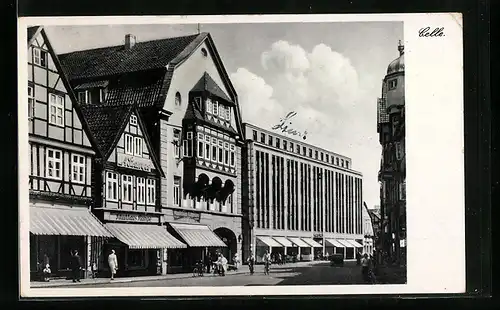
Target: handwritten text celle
426,33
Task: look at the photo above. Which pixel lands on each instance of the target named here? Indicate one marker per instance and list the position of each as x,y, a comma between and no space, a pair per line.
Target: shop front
201,241
304,249
292,251
317,248
141,244
56,233
333,246
267,243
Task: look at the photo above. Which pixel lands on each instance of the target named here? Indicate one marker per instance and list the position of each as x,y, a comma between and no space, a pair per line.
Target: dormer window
228,113
215,108
209,106
133,120
178,99
83,96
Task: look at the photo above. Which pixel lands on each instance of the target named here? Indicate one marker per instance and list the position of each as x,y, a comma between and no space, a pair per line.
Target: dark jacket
77,262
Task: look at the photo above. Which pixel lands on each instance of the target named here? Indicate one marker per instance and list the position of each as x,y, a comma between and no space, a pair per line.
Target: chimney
401,48
129,41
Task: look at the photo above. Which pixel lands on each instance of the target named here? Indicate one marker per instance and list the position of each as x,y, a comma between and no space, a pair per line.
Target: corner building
190,111
299,200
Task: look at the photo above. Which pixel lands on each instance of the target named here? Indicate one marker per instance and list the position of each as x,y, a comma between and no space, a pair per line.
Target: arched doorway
229,238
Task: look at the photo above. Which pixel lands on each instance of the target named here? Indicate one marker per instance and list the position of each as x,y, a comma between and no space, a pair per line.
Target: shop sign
130,217
132,162
186,215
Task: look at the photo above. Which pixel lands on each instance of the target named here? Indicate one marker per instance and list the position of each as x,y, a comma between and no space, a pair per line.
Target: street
317,274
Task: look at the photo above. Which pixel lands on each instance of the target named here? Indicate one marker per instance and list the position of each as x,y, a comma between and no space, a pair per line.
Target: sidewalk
242,270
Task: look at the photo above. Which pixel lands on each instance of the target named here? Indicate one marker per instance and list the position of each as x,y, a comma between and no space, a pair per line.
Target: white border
435,163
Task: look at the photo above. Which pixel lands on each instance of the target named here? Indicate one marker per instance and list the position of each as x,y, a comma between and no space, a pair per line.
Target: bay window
201,145
129,144
221,151
215,108
141,190
78,168
222,111
228,114
54,164
56,109
233,161
112,186
127,188
209,106
151,191
188,145
214,149
207,147
226,153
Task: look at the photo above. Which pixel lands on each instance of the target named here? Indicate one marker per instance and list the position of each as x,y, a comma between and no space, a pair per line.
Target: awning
355,243
346,244
334,242
77,221
312,243
198,235
142,236
298,242
268,241
283,241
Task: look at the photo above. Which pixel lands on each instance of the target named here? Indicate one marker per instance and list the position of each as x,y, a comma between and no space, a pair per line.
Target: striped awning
334,242
197,235
312,243
346,244
298,242
268,241
144,236
283,241
354,243
77,221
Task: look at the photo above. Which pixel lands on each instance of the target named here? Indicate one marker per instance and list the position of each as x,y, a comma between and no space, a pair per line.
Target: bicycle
198,271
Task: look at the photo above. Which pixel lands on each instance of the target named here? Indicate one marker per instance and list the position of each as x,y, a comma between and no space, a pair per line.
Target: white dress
113,263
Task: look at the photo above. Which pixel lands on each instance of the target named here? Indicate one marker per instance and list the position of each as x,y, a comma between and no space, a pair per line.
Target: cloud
336,110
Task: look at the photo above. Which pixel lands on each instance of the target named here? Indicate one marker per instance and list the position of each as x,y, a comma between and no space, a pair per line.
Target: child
46,273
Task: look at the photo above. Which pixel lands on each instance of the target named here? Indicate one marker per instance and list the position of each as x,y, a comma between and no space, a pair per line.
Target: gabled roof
206,83
115,60
64,78
107,124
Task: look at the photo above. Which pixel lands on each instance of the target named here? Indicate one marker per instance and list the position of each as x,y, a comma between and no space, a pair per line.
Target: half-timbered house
128,178
191,112
61,154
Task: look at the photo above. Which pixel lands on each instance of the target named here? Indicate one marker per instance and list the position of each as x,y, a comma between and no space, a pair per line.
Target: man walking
267,262
76,266
251,262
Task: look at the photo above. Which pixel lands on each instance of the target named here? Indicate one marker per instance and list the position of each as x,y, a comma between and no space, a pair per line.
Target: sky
330,74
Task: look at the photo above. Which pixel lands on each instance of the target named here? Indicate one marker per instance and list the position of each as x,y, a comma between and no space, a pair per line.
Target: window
232,156
316,154
310,153
270,140
177,191
31,102
102,95
83,96
215,108
207,147
278,144
342,163
78,168
347,164
209,106
188,145
322,156
133,120
54,164
304,150
255,135
111,186
226,153
337,161
298,149
221,151
141,190
56,106
39,57
129,144
228,113
126,188
204,52
197,100
214,149
201,145
138,146
178,99
291,147
285,145
327,158
393,84
151,192
263,137
222,111
177,136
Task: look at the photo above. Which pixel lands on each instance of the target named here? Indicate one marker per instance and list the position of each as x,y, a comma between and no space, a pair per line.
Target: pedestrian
236,260
280,259
358,258
76,266
267,262
251,262
208,261
113,264
365,265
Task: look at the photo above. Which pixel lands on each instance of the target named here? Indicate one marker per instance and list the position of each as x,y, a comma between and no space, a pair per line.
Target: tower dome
398,64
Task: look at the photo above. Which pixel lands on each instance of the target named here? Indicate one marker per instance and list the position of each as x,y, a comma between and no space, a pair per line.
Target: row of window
54,164
96,95
144,189
56,107
133,145
216,150
217,109
301,150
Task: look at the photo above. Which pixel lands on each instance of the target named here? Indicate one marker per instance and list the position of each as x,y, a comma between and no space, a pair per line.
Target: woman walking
113,264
